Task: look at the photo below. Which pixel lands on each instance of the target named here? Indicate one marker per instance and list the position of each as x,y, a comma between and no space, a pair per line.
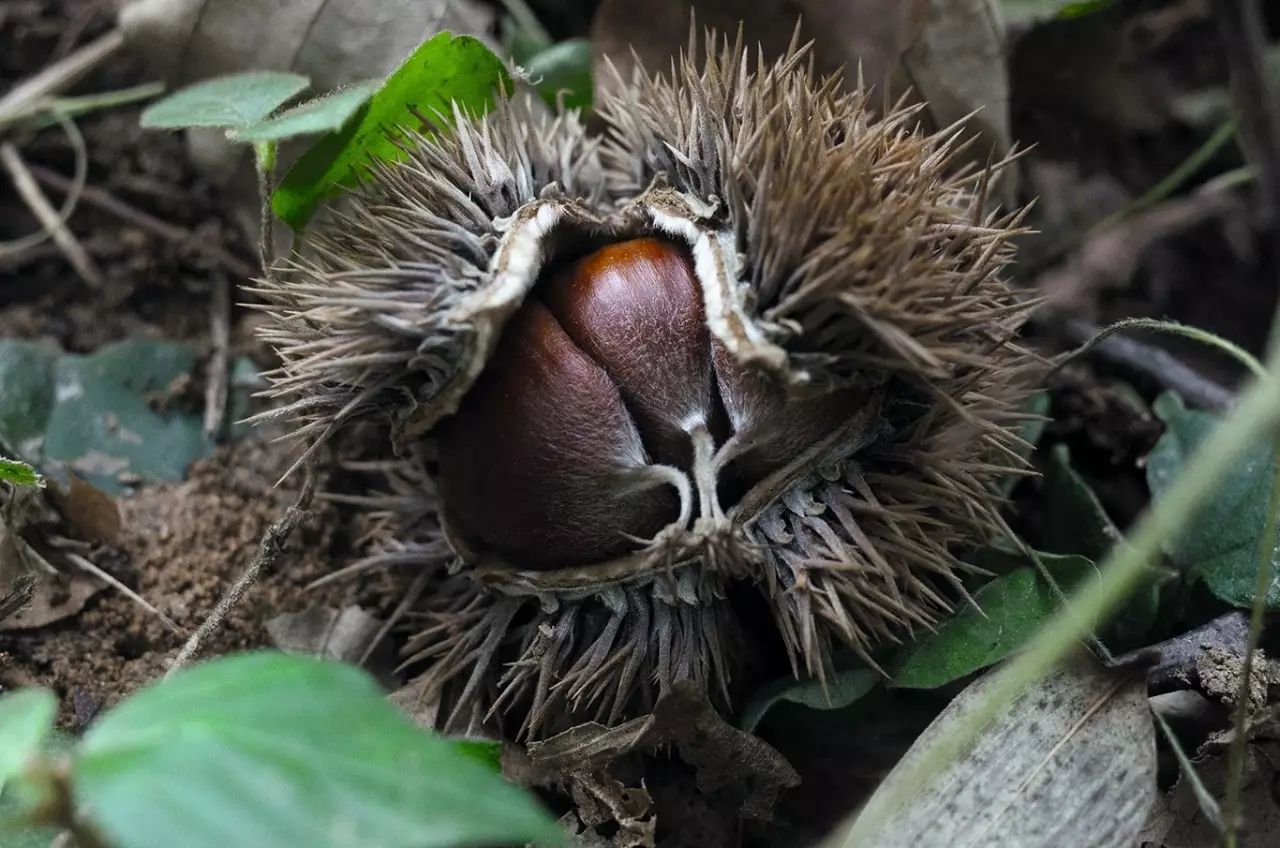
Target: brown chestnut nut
636,309
543,463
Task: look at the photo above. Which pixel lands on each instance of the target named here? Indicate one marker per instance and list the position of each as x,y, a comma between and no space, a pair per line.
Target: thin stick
29,190
88,566
217,384
269,550
23,97
113,205
73,191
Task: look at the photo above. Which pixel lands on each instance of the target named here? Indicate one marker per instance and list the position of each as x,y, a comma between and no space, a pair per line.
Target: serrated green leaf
563,70
842,689
324,114
1013,606
235,100
1075,522
1220,544
442,72
98,413
18,473
279,751
26,717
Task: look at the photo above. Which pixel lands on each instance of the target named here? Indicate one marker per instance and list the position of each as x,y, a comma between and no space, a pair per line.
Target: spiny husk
835,248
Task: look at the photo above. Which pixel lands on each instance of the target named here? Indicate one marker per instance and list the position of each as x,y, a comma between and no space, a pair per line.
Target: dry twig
29,190
113,205
217,383
269,550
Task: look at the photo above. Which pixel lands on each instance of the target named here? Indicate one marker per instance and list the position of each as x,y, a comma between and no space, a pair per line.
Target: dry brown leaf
92,512
948,53
727,759
1071,762
870,33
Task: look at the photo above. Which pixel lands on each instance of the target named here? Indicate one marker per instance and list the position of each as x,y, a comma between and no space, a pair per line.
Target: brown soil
181,547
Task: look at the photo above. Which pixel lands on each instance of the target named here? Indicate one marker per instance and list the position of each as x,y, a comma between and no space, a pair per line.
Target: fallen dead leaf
727,760
949,54
1071,762
92,512
346,635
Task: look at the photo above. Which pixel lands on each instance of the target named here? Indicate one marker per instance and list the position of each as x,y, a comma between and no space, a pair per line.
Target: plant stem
1262,588
264,157
1257,414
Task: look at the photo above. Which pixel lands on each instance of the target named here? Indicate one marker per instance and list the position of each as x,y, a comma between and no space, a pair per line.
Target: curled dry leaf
1027,779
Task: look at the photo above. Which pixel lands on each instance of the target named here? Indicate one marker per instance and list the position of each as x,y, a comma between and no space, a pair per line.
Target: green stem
264,154
1256,414
1172,328
1232,808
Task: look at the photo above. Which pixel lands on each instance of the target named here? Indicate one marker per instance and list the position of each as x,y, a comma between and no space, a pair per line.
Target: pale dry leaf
956,64
1071,762
1178,821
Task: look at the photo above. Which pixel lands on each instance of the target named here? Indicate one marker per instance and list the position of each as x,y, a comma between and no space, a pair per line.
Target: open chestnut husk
751,342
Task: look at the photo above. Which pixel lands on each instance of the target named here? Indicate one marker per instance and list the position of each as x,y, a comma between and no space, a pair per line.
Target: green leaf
18,473
1013,607
26,394
563,67
1029,431
279,751
1034,11
1220,544
841,690
236,100
484,751
1075,521
101,414
324,114
443,71
26,717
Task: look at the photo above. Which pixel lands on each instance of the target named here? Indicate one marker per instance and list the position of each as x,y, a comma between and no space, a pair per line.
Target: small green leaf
443,71
841,690
18,473
26,717
279,751
324,114
1220,543
1013,607
236,100
1075,521
563,67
